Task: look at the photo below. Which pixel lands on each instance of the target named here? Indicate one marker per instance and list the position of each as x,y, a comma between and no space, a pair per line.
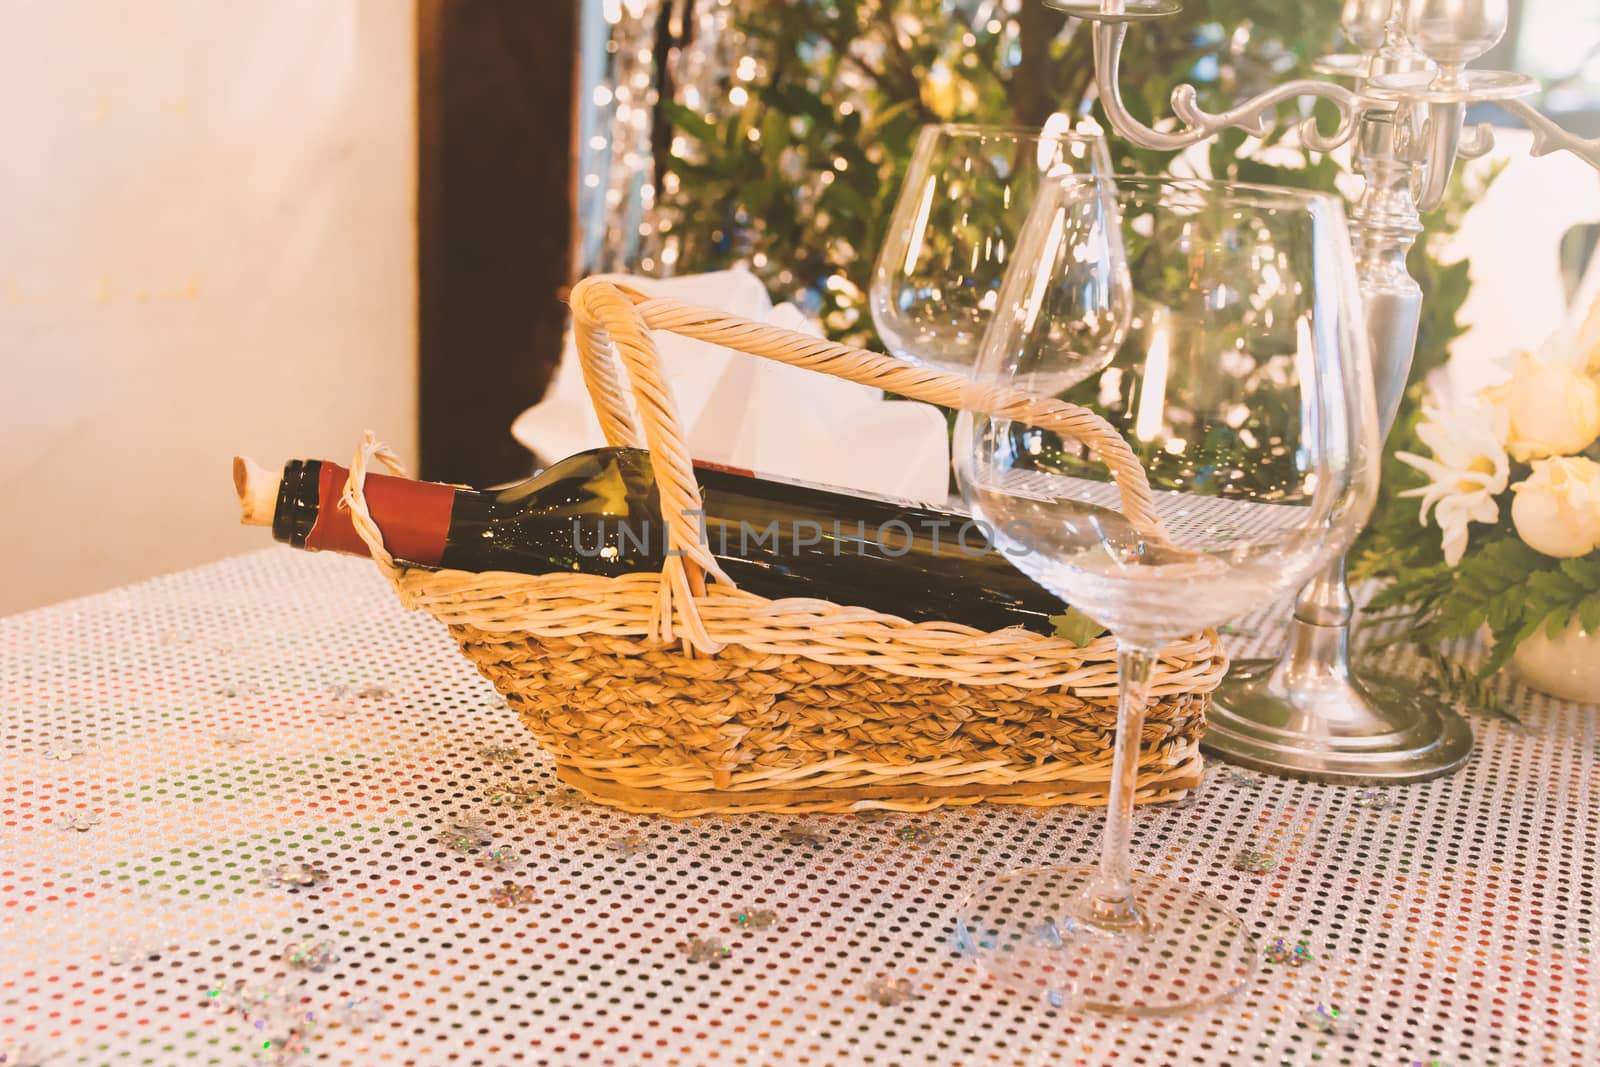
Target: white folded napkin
744,411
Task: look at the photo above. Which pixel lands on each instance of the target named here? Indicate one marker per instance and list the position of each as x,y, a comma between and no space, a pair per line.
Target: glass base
1186,952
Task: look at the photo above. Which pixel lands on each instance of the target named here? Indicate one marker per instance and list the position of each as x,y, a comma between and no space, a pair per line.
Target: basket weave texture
666,693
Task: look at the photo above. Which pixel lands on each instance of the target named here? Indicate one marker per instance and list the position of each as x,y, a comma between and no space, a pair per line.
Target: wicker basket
664,693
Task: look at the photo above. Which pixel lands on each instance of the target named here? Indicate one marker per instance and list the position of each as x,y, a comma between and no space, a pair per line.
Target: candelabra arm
1442,137
1253,116
1549,137
1477,142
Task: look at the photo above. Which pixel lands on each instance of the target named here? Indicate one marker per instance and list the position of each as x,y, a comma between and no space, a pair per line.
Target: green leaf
1589,613
1074,626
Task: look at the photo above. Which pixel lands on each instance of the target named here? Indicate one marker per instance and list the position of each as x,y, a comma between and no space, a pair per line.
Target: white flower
1557,508
1469,469
1553,405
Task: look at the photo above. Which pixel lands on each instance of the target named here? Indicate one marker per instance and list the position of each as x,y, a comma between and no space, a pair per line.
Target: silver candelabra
1308,713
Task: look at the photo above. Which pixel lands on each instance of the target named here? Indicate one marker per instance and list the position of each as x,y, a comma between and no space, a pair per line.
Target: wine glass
966,198
1243,389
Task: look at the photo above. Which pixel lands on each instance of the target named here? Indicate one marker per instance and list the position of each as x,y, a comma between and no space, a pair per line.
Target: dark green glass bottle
599,512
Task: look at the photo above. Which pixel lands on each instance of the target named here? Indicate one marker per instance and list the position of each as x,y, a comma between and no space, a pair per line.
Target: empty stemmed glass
967,195
1243,389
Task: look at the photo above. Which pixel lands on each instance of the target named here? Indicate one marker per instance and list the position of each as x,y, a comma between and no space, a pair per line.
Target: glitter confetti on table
357,1012
892,990
235,736
295,873
1232,776
499,754
1253,862
915,834
465,835
62,753
134,950
310,954
500,858
756,918
504,794
512,895
704,949
81,821
627,844
808,836
1447,935
24,1054
1281,953
1326,1019
1372,799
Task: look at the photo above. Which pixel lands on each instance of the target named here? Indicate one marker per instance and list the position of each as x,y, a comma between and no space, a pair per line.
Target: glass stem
1111,895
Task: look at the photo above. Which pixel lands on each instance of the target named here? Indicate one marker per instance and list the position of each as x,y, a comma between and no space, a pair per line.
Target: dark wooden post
495,217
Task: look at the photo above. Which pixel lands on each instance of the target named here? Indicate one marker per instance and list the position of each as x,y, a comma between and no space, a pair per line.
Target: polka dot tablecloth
256,812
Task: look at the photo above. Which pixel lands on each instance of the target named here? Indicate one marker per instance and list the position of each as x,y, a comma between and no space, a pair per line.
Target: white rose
1557,508
1554,408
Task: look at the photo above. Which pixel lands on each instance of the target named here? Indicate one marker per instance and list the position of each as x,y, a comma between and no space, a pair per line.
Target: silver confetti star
1238,779
499,754
512,895
295,874
802,835
504,794
1372,800
890,990
500,858
1326,1019
374,692
283,1044
337,709
23,1054
756,918
63,752
1252,862
133,950
310,954
465,835
1284,954
80,820
356,1012
234,736
627,844
704,949
258,1003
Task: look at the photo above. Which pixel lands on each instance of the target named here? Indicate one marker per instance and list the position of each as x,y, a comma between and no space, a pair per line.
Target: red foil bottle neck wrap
414,517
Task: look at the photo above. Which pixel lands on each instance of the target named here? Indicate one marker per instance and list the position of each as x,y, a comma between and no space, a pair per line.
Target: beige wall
207,244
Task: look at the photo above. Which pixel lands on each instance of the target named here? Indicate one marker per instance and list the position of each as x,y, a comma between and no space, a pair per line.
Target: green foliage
800,181
1450,681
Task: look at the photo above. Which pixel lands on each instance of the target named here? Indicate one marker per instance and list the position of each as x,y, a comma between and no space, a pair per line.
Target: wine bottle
599,512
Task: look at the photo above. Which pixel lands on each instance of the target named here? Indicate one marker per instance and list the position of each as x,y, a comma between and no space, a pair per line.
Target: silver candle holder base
1333,724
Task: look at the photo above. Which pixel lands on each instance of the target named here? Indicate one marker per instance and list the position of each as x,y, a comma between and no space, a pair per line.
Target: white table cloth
179,754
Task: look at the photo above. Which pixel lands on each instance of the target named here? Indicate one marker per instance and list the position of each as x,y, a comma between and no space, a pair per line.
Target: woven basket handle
612,322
